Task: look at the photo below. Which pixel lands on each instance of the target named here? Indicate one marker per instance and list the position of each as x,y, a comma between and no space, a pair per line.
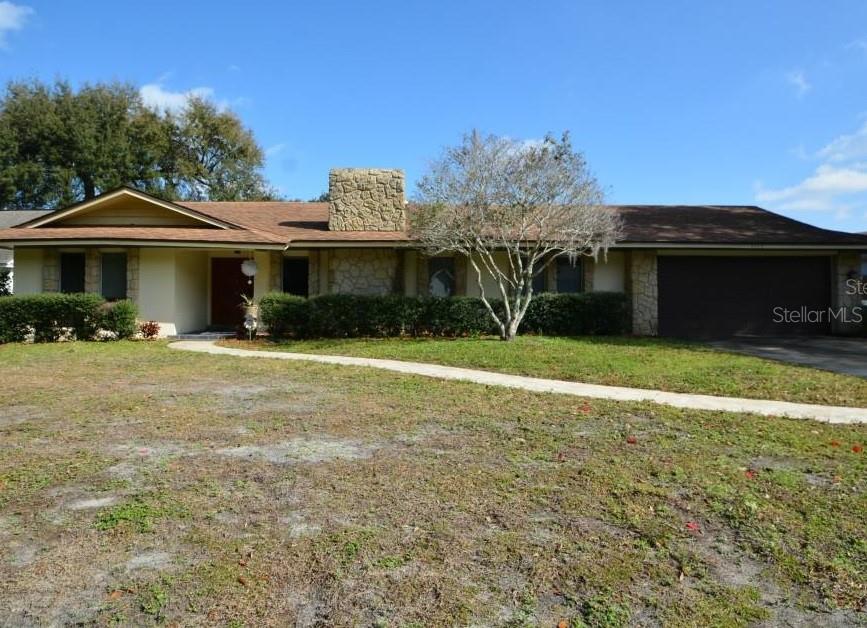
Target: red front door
228,283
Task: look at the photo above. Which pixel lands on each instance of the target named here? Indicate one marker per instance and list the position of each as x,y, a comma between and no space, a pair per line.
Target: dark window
72,272
539,283
441,276
295,271
114,276
568,275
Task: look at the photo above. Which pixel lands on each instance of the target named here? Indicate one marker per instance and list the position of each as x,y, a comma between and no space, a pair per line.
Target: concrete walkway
830,414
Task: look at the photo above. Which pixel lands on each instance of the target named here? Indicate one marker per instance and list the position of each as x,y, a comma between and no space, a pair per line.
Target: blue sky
672,102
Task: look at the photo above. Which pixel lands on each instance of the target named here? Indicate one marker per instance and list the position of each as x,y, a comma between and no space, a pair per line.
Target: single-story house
10,219
691,271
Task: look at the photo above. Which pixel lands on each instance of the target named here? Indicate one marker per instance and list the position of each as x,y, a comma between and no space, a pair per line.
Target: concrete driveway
841,355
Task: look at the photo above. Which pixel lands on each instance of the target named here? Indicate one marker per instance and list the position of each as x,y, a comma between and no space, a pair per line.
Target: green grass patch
138,515
637,362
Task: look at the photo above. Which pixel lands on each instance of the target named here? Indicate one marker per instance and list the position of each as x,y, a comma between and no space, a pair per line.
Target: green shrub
119,318
283,314
50,316
453,316
580,314
348,316
5,282
14,319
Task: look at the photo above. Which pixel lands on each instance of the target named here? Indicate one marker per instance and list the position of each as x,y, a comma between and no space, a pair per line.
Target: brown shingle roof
281,223
294,222
722,224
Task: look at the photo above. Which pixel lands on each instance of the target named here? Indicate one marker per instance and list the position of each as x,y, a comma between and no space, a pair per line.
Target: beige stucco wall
157,288
28,270
131,212
492,291
175,285
609,275
191,291
600,276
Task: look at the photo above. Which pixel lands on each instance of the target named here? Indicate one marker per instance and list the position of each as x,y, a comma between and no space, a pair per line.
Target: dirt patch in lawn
15,415
299,450
145,486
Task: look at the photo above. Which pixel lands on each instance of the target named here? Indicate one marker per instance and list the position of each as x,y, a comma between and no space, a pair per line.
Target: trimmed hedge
348,316
581,314
119,318
52,316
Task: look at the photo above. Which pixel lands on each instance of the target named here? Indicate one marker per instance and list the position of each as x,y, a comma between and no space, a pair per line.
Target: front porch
189,290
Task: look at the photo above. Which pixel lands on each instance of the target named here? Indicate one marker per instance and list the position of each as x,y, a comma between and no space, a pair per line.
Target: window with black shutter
113,276
295,275
72,272
569,275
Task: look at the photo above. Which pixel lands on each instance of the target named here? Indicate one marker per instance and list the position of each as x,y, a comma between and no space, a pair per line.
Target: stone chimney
366,199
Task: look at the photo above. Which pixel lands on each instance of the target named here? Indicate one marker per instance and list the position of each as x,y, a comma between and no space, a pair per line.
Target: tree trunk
512,331
89,188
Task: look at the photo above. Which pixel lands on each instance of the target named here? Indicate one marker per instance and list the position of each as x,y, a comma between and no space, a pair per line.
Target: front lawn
141,485
637,362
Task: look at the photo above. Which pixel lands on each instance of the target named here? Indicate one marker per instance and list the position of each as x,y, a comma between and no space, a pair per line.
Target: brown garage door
715,297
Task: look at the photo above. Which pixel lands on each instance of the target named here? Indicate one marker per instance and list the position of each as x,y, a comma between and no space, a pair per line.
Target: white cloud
799,81
156,97
858,44
837,185
12,18
846,147
829,188
276,149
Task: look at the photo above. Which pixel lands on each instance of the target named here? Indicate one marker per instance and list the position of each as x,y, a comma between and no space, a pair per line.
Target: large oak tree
59,145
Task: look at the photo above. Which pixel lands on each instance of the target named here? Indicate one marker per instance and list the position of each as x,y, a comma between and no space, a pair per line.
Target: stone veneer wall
50,270
842,294
362,271
93,271
132,275
366,199
645,293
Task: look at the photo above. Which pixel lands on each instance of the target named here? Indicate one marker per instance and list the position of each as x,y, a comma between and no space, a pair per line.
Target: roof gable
125,207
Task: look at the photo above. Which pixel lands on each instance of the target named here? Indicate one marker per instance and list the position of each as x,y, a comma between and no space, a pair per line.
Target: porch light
249,268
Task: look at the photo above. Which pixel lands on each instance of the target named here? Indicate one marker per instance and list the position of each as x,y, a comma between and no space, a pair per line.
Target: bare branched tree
511,208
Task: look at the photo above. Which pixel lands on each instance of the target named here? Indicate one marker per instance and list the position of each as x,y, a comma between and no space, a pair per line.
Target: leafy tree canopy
59,146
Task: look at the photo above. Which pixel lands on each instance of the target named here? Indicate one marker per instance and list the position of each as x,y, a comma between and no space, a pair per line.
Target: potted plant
249,306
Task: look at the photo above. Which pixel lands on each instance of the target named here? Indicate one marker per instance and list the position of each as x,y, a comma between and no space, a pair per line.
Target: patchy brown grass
142,485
